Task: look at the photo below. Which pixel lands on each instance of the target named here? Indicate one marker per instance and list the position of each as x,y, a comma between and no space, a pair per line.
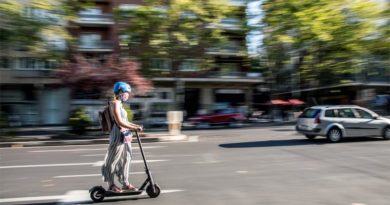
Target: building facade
31,95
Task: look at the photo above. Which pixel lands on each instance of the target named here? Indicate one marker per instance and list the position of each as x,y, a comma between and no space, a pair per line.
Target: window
91,11
310,113
362,114
4,63
189,65
159,64
330,113
163,95
26,63
35,64
90,40
345,113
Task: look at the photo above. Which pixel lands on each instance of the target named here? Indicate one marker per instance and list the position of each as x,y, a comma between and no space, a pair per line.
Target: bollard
175,119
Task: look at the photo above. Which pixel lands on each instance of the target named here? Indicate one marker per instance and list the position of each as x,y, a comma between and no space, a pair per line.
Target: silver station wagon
336,122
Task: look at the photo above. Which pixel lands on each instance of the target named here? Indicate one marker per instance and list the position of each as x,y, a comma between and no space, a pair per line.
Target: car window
330,113
310,113
345,113
225,111
363,114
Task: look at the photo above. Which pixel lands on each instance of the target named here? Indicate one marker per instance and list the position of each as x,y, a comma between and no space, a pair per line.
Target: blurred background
60,58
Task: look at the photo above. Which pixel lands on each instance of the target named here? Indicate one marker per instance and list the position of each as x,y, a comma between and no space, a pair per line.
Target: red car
229,116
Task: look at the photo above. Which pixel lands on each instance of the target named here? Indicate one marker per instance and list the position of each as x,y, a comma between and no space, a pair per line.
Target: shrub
79,121
130,114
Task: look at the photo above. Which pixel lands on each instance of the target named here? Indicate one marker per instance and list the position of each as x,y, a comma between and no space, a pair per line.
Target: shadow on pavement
284,130
294,142
106,200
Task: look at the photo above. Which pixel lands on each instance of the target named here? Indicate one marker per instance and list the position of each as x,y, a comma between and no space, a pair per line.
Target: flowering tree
84,75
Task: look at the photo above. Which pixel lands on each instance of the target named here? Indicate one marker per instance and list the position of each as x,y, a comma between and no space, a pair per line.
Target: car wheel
386,133
310,137
334,135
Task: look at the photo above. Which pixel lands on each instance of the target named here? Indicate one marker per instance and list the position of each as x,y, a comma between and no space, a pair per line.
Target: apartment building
230,83
29,91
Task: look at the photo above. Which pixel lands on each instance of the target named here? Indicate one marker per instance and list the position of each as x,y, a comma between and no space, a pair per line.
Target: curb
149,138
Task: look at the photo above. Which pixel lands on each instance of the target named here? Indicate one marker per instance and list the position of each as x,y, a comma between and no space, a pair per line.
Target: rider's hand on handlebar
140,128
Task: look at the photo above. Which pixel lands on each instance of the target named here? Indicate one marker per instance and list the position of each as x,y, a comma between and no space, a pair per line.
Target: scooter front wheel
97,193
155,193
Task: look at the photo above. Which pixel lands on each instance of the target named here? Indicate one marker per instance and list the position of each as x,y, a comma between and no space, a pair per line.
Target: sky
254,39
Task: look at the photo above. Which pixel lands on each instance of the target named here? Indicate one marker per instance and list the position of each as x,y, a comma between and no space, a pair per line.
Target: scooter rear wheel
155,193
97,193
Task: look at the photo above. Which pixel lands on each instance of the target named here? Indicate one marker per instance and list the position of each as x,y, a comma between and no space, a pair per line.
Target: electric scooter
97,193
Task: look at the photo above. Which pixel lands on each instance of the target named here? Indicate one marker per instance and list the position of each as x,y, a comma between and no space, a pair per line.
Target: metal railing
96,45
229,50
234,74
95,18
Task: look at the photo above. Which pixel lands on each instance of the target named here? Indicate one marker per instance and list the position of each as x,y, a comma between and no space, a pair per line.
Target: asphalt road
270,166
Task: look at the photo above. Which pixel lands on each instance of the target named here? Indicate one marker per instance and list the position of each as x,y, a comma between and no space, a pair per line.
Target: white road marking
70,197
96,155
79,150
90,175
92,155
242,172
98,163
207,162
36,198
68,150
46,165
38,147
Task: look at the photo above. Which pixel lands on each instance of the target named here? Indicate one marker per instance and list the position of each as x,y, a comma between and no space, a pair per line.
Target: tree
173,31
84,75
31,26
323,41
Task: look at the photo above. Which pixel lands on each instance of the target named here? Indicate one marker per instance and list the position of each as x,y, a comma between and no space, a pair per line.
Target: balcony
229,50
95,19
212,77
96,46
15,76
241,3
235,74
228,24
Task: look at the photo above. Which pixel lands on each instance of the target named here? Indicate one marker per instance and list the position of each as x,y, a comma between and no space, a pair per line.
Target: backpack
105,118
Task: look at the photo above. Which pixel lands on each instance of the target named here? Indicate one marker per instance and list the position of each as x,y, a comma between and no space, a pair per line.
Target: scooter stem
144,159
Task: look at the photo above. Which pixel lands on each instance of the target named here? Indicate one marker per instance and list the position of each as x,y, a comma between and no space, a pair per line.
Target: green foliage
130,114
173,31
30,26
329,39
79,121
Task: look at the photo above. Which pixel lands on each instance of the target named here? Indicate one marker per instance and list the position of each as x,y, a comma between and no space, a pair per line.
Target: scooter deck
123,193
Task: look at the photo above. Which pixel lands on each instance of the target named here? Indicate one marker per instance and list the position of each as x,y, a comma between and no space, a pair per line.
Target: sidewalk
59,135
56,136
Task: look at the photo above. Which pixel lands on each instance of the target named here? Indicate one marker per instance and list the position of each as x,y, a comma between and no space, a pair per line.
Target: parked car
228,116
336,122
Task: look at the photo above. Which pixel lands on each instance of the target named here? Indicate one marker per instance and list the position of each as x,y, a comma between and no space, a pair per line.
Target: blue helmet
121,86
